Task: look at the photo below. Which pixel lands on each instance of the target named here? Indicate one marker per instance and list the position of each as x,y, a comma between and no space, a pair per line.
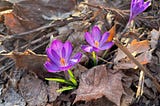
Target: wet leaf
98,82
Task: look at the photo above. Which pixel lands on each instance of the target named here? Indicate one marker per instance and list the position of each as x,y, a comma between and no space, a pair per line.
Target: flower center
96,43
62,61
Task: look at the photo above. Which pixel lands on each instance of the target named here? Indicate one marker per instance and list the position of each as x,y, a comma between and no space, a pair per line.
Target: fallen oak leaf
98,82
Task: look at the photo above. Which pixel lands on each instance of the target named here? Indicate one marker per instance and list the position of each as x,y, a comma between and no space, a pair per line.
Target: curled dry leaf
140,48
135,46
112,32
98,82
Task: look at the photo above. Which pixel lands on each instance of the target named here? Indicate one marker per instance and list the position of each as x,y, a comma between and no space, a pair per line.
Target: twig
56,24
131,57
117,11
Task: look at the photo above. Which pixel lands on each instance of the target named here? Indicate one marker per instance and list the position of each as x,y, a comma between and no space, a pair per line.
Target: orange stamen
62,61
96,43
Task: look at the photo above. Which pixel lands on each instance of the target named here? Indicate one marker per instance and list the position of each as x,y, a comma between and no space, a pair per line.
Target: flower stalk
95,61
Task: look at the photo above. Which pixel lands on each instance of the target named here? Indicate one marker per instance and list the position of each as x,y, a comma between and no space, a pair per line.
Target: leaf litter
98,82
98,86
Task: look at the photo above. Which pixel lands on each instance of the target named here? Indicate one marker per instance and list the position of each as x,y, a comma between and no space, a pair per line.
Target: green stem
104,54
94,58
72,78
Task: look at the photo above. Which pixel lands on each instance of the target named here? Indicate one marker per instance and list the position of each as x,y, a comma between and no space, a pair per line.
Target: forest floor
27,28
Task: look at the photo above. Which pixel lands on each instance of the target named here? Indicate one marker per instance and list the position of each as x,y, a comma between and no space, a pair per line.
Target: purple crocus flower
97,41
137,7
59,55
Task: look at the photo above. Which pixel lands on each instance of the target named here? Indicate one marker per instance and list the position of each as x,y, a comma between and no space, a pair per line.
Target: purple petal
68,50
51,67
146,5
133,2
104,38
65,68
140,1
63,53
96,33
57,46
137,7
96,49
87,48
106,46
89,38
53,56
75,59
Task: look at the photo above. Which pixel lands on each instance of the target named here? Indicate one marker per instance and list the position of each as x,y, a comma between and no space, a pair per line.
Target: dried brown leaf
154,38
30,14
98,82
143,58
140,48
33,91
52,94
13,23
135,46
30,61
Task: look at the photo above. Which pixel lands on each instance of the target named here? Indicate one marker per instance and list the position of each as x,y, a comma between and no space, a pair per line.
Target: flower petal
104,38
96,33
87,48
106,46
51,67
137,7
65,68
57,46
146,5
75,59
89,38
53,56
96,49
68,50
